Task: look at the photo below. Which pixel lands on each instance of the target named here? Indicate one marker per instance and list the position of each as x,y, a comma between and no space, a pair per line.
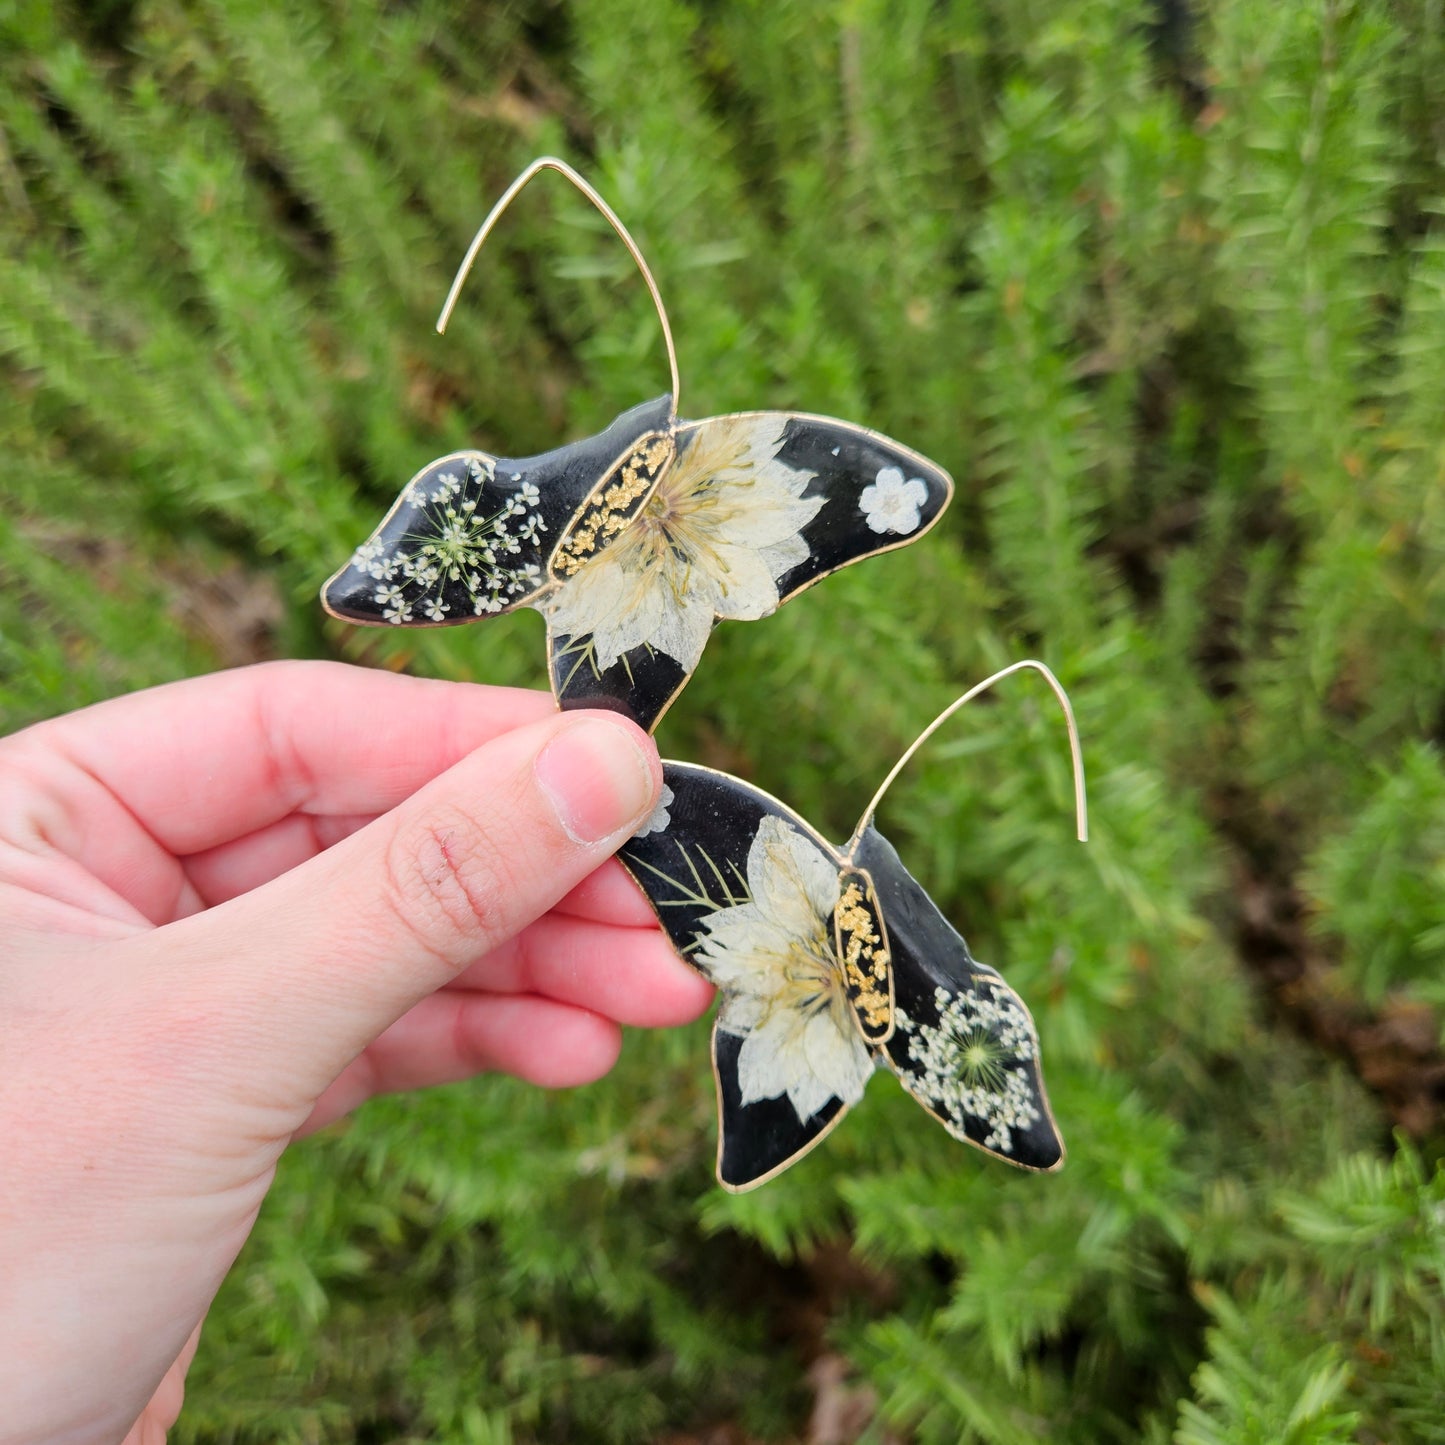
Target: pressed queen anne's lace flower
973,1063
891,504
782,986
452,544
714,539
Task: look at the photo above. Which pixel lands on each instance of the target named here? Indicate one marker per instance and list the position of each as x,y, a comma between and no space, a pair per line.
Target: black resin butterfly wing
635,542
963,1043
746,891
750,510
824,961
473,534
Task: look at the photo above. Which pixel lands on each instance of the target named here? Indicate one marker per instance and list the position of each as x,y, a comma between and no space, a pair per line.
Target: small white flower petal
659,819
791,878
810,1059
745,587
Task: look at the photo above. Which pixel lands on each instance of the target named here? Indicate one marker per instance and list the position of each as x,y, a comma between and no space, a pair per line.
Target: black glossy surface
640,684
760,1138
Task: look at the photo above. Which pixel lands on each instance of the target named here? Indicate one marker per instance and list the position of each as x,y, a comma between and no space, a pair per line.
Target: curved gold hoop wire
1081,805
551,163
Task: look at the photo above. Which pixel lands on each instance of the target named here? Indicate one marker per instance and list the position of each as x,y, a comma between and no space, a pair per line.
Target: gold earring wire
551,163
1081,807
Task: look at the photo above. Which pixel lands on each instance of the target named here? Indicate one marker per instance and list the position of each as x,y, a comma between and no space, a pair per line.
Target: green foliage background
1165,291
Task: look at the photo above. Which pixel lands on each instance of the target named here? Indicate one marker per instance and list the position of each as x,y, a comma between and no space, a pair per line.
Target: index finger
201,762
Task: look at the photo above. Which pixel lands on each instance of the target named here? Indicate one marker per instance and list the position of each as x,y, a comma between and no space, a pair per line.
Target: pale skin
233,909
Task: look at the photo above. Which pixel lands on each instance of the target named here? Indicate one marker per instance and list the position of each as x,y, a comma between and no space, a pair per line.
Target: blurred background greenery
1163,285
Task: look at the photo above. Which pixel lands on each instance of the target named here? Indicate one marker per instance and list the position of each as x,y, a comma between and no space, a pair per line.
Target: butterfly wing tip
1043,1162
734,1185
744,1188
1052,1155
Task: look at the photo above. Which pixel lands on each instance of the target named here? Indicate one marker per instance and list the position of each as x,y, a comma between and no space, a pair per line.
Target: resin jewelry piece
635,542
829,961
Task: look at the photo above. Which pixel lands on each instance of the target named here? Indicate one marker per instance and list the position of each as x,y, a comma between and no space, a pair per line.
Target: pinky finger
454,1035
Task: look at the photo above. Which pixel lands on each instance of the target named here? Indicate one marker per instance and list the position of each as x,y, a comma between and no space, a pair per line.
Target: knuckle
446,883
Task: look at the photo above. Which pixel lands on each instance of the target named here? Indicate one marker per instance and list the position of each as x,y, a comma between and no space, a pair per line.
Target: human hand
234,908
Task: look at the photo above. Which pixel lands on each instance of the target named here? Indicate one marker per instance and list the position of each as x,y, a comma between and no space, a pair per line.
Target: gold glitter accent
863,952
613,503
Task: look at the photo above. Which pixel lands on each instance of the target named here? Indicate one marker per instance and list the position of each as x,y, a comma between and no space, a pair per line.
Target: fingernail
599,776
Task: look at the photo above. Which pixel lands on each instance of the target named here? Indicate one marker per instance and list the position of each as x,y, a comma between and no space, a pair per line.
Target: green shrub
1165,292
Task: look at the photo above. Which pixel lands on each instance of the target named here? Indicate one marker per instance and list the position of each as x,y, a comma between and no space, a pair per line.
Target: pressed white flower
891,504
454,549
781,983
658,820
372,559
717,534
972,1064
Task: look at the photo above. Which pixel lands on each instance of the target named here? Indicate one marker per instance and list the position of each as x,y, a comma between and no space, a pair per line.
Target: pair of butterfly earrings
633,544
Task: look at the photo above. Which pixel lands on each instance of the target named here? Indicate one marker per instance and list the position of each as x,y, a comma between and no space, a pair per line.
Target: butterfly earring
635,542
830,961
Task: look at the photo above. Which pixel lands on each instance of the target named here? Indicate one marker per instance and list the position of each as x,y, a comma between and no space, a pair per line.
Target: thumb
301,974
